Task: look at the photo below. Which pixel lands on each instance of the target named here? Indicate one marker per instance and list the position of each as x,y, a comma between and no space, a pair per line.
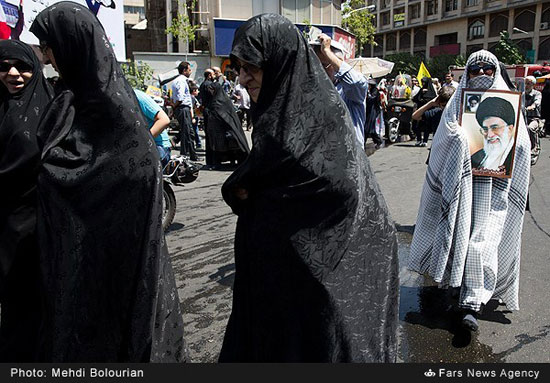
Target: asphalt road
201,245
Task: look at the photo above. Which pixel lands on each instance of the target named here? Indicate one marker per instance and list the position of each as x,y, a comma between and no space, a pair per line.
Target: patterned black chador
109,289
315,249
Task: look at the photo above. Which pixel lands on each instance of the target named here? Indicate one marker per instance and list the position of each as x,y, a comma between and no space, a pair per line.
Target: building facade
216,20
134,11
434,27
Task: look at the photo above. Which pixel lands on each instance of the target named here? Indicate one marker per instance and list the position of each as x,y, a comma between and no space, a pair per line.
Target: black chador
315,249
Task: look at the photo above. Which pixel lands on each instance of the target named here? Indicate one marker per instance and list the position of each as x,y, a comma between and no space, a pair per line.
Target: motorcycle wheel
168,205
393,131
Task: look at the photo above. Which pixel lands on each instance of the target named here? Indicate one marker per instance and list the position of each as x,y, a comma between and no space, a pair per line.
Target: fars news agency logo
429,373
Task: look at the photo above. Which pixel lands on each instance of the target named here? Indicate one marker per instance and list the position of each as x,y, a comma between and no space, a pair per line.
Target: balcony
447,49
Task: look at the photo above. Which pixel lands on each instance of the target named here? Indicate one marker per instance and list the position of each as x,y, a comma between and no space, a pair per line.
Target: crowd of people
85,273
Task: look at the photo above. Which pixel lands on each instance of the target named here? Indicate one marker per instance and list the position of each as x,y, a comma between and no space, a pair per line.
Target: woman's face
48,57
15,74
250,76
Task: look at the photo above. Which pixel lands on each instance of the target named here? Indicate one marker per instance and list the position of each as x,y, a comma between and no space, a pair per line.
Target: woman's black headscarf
315,248
20,114
427,92
110,290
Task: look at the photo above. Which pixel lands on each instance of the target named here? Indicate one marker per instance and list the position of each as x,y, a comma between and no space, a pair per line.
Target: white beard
496,153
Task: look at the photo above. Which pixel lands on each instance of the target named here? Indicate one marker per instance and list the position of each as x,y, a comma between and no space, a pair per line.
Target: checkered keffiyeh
468,230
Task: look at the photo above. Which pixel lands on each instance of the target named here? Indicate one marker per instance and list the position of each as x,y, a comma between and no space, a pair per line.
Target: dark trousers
208,152
183,115
375,138
421,128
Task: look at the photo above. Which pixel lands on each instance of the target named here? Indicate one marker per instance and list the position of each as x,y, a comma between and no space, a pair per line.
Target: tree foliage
137,73
437,66
181,27
360,23
507,51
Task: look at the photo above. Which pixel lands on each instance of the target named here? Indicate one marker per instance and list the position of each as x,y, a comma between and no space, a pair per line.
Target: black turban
496,107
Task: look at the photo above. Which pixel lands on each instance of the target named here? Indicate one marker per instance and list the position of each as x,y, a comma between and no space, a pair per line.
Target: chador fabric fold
316,275
20,114
110,293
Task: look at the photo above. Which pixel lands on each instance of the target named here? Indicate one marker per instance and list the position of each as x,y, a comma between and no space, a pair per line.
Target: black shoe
469,320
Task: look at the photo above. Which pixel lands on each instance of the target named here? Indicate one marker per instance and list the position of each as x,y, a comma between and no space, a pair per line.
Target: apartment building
134,11
434,27
218,19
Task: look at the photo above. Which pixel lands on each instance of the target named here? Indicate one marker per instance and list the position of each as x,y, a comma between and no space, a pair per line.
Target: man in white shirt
183,109
450,81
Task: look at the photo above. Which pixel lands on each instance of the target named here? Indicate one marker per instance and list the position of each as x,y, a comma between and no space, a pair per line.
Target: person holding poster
468,230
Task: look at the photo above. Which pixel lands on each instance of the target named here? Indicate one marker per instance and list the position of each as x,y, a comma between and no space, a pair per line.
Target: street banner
490,119
109,12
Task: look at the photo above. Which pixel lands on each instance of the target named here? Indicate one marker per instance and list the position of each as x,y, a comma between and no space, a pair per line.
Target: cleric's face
497,132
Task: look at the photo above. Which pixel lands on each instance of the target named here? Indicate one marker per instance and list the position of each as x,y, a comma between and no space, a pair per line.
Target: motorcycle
399,117
536,131
177,172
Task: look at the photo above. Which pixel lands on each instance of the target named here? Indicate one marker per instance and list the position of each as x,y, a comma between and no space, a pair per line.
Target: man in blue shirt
183,109
350,84
157,122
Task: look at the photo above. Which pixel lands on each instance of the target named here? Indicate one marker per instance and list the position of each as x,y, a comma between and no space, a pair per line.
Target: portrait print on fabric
490,119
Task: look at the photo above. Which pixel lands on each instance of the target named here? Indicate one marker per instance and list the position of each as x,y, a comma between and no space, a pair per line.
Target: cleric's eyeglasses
19,65
475,69
495,128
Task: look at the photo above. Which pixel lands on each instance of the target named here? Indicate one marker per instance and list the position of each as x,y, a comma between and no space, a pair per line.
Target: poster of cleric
490,119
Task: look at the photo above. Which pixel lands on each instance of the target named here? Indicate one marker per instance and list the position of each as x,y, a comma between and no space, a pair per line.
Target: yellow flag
422,72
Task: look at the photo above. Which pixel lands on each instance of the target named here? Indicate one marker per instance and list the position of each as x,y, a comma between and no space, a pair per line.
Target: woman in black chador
226,135
24,95
110,293
315,249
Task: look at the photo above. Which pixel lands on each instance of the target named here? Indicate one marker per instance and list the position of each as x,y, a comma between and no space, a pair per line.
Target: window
404,41
414,11
419,38
385,18
134,10
451,5
449,38
524,45
379,47
390,42
297,11
499,22
544,49
476,30
471,3
473,48
525,20
431,7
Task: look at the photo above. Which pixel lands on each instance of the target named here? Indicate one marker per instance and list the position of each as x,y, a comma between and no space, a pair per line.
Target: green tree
404,63
360,23
507,51
182,27
137,73
439,65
